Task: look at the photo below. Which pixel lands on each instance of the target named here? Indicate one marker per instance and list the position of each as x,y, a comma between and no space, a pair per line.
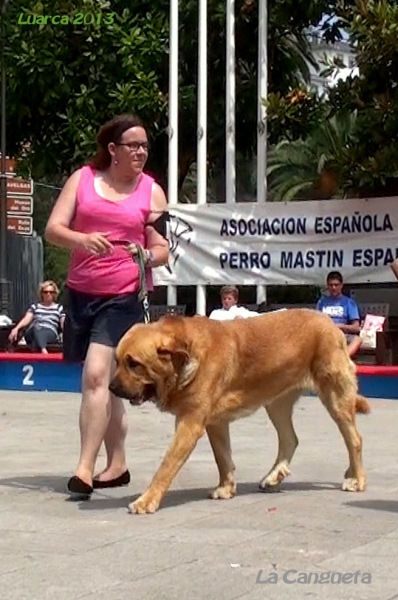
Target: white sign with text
281,243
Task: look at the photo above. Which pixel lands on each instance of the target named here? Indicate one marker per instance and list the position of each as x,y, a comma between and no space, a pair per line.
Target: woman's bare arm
24,322
58,231
156,243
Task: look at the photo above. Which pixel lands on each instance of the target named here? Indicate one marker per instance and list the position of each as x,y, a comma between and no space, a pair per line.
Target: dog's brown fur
208,373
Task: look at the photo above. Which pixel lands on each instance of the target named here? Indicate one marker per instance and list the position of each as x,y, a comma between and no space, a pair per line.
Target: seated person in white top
230,309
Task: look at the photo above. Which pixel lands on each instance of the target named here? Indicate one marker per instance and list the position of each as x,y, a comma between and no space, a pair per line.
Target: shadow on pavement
100,500
175,498
386,505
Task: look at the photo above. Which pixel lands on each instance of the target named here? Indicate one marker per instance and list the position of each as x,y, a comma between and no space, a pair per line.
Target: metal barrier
160,310
24,271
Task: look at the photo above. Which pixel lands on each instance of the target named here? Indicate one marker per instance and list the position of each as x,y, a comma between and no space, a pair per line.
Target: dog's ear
178,355
184,365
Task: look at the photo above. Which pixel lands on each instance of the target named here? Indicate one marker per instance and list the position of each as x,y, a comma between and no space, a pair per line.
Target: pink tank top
116,272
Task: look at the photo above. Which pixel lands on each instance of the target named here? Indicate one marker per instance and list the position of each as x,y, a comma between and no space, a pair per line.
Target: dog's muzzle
149,393
117,389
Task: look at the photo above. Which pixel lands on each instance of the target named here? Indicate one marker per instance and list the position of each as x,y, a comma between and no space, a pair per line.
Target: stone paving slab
193,547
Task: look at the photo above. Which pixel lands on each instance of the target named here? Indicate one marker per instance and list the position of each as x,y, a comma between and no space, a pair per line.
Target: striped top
48,316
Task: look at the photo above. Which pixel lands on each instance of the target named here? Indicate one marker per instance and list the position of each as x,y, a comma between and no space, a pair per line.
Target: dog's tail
362,405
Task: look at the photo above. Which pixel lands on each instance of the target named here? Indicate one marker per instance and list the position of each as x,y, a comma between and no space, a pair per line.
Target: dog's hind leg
342,411
337,390
280,412
221,445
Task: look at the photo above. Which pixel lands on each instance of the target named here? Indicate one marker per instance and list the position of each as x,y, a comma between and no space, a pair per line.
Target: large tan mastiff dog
208,373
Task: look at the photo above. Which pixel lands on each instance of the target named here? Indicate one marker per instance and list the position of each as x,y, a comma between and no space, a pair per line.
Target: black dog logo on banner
179,230
174,229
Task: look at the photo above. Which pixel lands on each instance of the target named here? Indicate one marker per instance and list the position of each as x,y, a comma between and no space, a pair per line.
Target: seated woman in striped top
44,319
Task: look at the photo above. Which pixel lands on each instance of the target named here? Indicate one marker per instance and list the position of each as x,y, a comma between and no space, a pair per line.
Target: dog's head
152,361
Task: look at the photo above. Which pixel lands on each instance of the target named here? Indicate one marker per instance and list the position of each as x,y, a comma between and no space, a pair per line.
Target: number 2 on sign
28,371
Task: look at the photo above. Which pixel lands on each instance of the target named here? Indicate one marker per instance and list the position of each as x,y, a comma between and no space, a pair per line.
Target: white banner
281,243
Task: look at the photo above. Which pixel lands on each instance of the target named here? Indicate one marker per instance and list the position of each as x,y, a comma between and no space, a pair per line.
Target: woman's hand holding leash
133,250
144,259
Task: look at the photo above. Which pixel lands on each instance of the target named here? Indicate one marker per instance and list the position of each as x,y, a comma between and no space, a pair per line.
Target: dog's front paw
272,481
145,504
224,492
353,484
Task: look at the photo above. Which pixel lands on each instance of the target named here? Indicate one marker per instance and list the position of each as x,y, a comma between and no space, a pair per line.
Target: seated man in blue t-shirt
342,310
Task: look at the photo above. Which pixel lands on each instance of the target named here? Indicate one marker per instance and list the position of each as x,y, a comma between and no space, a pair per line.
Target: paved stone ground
193,547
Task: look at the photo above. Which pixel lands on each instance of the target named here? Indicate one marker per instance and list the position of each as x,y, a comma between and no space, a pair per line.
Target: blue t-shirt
341,309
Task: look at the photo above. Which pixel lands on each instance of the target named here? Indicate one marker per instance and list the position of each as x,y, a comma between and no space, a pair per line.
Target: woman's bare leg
115,437
96,407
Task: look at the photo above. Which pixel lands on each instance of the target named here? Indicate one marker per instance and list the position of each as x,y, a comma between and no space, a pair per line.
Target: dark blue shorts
101,319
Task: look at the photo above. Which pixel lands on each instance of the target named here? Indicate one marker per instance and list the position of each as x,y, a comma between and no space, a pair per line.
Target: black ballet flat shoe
120,481
78,489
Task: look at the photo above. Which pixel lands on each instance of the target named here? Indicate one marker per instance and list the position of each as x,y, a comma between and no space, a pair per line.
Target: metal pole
230,165
4,284
262,118
202,133
173,124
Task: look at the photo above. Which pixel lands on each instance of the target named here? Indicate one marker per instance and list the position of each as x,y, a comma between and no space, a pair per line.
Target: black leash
160,225
138,258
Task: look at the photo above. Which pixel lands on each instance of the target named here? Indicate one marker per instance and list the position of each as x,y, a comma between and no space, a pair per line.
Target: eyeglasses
135,146
48,292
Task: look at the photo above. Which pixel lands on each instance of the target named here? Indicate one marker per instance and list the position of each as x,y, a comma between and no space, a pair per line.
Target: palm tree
290,59
313,167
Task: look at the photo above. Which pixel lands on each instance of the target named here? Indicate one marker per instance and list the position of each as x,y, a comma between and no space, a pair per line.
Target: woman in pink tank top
101,206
